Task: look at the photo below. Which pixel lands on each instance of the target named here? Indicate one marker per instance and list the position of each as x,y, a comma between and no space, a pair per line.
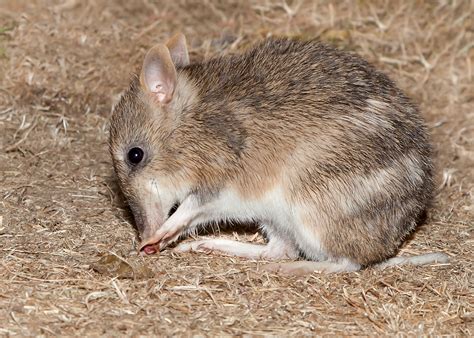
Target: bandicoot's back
313,143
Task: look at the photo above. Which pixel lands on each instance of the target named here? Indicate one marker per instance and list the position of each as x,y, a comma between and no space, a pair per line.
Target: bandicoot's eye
135,155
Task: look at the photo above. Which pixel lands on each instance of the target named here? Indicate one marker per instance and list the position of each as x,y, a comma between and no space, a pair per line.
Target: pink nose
150,249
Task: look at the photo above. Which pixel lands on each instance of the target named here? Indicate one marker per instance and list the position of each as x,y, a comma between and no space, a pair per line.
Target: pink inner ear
156,87
159,91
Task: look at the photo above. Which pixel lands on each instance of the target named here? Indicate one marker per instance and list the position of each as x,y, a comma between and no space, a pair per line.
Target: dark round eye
135,155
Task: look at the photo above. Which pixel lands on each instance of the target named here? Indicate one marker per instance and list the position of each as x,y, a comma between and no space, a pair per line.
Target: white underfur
275,215
272,211
282,220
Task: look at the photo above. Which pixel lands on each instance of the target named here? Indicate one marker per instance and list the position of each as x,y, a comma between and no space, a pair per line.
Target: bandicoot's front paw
158,242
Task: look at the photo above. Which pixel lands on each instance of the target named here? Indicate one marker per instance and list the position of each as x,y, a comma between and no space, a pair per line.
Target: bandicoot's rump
321,149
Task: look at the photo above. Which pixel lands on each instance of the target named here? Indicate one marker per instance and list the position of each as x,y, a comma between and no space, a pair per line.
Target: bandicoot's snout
150,249
148,221
148,207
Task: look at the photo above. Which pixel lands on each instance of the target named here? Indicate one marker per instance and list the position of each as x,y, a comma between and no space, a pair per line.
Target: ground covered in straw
68,263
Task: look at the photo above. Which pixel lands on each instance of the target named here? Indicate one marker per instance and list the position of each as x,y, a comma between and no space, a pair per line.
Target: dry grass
67,259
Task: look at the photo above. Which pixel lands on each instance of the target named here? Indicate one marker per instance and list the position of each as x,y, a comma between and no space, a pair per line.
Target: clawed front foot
173,227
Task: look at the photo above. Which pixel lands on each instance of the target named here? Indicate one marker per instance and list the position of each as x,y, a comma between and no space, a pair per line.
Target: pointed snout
150,241
149,217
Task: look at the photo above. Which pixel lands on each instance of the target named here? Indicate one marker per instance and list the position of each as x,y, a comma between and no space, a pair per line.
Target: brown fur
314,120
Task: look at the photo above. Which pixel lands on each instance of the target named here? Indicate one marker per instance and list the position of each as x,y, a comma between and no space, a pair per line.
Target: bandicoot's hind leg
300,268
274,249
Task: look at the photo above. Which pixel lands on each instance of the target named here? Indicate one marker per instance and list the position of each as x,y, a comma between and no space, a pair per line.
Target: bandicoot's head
146,136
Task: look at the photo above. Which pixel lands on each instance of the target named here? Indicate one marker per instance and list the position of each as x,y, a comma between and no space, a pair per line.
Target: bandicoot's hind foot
431,258
275,249
300,268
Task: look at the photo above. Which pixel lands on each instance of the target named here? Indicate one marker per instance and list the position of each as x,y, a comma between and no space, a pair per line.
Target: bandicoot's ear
178,50
158,75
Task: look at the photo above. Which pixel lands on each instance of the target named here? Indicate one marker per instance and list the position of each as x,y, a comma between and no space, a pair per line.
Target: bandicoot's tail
435,257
